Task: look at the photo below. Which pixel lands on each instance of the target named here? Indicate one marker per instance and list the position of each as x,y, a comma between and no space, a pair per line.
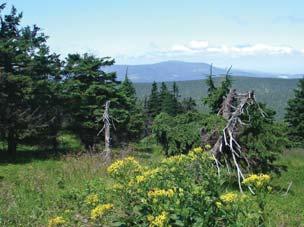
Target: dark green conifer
295,114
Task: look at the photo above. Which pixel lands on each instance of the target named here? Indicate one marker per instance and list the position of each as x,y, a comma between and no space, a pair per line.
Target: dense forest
167,164
273,92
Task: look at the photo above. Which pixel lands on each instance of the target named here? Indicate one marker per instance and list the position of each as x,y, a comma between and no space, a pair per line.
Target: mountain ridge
181,71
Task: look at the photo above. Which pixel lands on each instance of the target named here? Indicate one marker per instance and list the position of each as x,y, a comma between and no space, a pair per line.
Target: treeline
42,95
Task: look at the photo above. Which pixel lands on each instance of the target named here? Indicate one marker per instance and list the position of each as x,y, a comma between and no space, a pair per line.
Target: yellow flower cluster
161,193
159,220
148,174
119,164
175,159
198,150
117,186
258,181
92,199
229,197
56,221
100,210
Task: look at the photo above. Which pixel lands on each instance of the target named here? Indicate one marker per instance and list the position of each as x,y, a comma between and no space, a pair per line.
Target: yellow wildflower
258,181
159,220
100,210
148,174
150,218
140,179
161,193
175,159
198,150
193,154
56,221
119,164
92,199
229,197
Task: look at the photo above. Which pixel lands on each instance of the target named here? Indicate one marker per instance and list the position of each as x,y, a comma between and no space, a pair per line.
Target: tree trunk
107,132
11,143
227,105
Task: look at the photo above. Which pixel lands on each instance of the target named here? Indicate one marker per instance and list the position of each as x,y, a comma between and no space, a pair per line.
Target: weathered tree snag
226,148
106,128
227,106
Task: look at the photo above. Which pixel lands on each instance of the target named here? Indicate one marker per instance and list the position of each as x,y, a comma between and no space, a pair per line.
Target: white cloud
200,46
192,46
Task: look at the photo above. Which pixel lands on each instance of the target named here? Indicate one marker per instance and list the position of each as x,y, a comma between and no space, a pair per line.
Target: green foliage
295,114
263,139
153,103
135,125
26,64
216,95
86,90
167,101
272,91
188,104
182,190
179,134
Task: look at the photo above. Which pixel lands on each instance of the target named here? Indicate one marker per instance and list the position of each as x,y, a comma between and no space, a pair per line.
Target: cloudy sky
254,35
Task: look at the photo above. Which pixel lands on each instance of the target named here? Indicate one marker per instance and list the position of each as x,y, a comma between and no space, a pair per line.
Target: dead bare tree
106,129
226,148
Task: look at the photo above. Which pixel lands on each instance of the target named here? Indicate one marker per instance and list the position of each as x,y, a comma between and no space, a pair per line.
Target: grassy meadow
33,190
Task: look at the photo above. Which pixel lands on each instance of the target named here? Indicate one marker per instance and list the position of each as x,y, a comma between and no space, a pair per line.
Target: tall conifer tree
295,114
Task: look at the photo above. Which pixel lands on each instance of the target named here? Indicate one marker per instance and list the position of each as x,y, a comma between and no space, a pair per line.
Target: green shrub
179,134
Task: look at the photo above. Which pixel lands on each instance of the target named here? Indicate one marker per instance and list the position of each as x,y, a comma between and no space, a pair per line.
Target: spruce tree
175,90
154,106
188,104
295,114
26,68
86,90
129,90
136,121
216,95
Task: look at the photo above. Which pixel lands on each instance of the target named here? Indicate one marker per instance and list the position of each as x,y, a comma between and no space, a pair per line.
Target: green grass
288,209
31,192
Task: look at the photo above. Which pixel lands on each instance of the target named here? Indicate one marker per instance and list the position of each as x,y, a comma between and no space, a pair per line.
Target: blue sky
255,35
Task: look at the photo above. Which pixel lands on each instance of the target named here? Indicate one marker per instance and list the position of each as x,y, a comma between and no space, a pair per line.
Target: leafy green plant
179,134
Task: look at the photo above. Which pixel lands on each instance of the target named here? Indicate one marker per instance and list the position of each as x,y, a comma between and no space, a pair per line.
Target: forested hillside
274,92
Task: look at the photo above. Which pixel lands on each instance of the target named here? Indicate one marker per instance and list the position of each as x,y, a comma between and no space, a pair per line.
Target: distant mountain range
180,71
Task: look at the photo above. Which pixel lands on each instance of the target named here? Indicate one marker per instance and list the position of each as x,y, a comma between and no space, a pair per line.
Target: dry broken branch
227,147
